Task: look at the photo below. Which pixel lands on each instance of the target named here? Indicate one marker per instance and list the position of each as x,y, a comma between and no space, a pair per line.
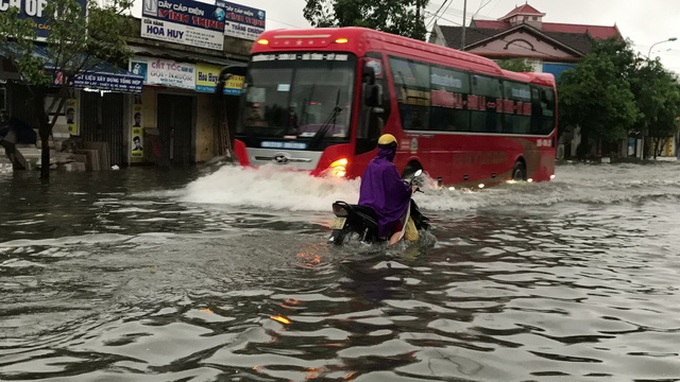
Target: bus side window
375,106
412,85
517,120
482,104
548,109
448,90
536,111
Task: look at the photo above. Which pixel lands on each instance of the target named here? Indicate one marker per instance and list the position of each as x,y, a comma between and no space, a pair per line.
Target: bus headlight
552,177
338,168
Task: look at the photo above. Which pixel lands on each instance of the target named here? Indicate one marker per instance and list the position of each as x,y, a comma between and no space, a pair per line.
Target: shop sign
34,10
158,71
163,72
206,80
104,81
109,82
184,22
241,21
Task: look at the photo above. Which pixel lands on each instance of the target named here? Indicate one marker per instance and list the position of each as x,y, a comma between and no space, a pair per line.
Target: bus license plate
338,223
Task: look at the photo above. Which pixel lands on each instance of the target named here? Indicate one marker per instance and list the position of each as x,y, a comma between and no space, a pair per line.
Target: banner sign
72,116
137,147
118,83
206,80
184,22
105,81
165,72
33,9
241,21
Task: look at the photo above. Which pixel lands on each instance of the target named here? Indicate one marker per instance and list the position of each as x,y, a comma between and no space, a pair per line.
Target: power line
437,12
480,7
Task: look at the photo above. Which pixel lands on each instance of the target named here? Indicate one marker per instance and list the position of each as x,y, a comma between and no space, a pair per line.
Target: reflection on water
225,275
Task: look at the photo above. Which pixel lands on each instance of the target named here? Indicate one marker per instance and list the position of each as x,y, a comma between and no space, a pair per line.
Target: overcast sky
643,22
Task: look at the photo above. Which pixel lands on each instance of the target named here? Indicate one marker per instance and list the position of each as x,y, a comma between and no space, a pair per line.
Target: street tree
401,17
657,95
597,96
77,42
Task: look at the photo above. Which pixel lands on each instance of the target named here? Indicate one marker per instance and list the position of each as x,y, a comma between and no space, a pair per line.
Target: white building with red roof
522,33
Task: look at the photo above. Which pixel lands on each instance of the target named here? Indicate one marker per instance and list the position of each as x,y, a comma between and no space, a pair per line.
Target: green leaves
612,91
402,17
516,65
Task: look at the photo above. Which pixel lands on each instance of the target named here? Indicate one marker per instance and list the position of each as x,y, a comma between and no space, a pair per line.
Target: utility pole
416,29
462,35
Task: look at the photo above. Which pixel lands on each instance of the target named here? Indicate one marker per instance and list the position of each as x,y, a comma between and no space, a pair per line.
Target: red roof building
522,33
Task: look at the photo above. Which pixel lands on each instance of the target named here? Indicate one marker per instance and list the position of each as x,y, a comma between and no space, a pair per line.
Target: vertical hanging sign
72,116
137,152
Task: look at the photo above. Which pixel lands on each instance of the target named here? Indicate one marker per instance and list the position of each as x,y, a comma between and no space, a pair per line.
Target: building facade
172,119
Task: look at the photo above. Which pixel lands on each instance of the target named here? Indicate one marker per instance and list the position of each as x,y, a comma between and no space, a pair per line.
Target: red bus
318,99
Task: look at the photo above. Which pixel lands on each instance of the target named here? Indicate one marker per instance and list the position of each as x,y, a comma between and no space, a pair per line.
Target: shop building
172,120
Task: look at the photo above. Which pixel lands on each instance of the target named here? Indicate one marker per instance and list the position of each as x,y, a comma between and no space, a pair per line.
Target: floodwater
223,274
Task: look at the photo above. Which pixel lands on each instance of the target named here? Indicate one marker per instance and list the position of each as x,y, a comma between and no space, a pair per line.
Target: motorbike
360,222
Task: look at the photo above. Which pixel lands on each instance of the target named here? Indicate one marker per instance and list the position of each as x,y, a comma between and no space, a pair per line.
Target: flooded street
224,274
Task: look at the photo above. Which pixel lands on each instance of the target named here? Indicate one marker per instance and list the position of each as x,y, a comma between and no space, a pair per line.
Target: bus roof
362,40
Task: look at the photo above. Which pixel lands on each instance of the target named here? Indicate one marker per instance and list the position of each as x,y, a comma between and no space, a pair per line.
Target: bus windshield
307,96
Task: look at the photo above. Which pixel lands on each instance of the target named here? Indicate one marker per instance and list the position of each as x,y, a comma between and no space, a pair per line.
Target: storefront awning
100,75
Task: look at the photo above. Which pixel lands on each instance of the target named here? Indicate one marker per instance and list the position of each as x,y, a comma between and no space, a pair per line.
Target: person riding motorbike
383,189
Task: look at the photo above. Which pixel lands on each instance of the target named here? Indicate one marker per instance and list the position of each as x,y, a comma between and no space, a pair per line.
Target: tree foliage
516,65
77,41
596,95
613,92
402,17
658,97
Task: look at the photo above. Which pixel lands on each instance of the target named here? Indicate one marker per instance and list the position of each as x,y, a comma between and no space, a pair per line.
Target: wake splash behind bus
317,100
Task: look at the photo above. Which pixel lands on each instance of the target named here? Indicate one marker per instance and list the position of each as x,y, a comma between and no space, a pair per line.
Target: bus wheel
519,171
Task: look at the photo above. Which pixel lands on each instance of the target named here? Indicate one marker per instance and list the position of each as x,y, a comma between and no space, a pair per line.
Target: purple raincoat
383,189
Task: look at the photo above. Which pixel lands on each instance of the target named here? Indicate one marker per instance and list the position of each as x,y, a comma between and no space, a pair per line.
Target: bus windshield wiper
323,130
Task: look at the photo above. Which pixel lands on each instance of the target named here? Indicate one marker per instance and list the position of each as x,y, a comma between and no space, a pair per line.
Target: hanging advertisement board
184,22
206,80
160,71
241,21
34,10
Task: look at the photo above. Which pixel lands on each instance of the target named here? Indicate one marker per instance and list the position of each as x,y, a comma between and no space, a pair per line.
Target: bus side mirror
372,91
368,75
373,95
226,73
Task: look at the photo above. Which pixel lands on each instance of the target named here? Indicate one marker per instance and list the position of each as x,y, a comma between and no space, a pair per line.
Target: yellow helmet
387,140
